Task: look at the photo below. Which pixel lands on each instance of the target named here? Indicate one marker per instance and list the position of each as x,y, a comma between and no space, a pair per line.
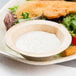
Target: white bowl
38,25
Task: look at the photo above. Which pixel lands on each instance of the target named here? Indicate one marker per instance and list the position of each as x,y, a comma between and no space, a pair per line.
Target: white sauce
38,42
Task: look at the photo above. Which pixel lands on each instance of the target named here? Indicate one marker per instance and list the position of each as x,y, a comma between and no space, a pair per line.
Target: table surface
9,67
17,67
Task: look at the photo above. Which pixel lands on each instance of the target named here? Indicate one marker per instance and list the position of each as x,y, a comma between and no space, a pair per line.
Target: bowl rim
66,43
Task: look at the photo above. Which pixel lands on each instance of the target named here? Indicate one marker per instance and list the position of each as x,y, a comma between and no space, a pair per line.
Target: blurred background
3,2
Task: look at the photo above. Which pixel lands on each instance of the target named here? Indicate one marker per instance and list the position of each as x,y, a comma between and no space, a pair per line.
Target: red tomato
74,40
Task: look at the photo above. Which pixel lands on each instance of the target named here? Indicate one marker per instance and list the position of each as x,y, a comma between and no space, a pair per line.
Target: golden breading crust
69,51
50,9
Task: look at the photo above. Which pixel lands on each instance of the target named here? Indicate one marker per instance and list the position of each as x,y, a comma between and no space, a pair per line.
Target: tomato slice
74,40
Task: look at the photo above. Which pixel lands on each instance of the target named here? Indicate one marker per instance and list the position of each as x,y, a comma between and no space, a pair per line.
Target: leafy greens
70,23
13,9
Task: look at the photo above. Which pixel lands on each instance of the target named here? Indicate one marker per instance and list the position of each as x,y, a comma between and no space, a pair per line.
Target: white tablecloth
10,67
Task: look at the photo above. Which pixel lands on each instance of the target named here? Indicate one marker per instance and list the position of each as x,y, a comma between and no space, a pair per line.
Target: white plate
10,53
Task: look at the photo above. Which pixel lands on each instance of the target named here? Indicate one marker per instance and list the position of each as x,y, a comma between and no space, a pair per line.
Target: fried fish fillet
49,9
69,51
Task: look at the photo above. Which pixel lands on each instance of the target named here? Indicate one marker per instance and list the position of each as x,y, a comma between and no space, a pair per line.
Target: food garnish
70,23
74,40
13,9
25,16
10,20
